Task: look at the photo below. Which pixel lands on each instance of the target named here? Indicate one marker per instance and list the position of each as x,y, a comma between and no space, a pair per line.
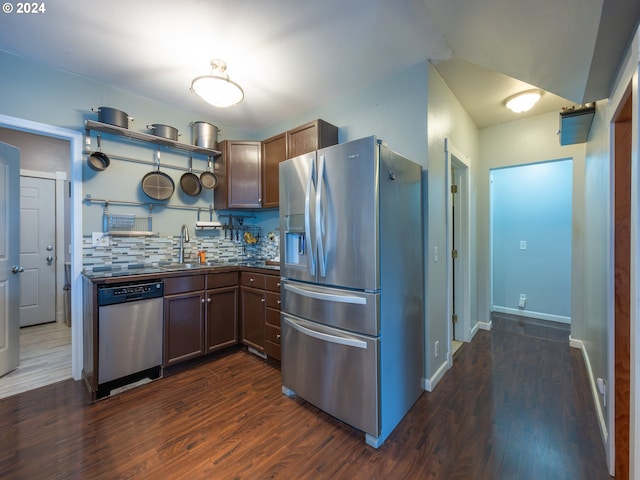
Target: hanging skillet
158,185
190,183
98,161
208,179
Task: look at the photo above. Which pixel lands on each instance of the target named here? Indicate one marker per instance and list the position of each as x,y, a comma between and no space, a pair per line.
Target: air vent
575,123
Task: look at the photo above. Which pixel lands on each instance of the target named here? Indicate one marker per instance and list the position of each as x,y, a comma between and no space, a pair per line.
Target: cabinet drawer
254,280
273,300
273,317
218,280
188,283
273,283
272,333
272,350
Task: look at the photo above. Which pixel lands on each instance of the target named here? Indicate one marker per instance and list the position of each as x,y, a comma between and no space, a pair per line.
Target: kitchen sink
186,265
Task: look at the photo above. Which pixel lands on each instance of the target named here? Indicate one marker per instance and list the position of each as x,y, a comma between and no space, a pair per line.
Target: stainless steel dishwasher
130,324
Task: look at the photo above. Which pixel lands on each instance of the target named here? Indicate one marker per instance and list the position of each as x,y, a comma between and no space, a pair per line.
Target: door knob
49,248
17,269
49,259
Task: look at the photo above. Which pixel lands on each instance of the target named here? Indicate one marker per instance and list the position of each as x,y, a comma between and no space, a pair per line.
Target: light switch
523,244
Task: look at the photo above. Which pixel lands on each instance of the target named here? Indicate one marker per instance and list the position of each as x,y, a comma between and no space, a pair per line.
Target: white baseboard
484,326
594,390
528,313
429,384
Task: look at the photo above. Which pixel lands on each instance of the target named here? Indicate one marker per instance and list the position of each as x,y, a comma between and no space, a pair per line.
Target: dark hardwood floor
512,407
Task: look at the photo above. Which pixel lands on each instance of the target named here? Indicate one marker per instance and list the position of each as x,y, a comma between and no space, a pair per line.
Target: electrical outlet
436,348
523,244
523,300
99,239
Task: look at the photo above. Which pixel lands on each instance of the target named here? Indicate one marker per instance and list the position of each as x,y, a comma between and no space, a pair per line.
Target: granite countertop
132,270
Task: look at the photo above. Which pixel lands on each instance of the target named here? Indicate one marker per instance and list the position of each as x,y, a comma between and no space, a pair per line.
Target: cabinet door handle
209,300
251,279
278,336
202,300
262,300
278,284
278,302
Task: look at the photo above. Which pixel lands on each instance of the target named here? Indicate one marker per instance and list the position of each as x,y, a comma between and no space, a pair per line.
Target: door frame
456,160
75,140
59,178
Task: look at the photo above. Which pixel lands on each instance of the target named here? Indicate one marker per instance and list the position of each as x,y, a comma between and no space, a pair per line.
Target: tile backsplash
123,250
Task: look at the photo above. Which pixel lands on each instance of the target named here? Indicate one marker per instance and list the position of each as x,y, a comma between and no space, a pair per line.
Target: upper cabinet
239,175
274,151
311,136
303,139
248,171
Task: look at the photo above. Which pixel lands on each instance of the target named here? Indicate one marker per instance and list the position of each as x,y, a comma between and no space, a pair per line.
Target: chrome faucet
184,237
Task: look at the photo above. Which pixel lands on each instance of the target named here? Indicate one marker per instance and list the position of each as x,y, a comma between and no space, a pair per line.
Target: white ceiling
290,55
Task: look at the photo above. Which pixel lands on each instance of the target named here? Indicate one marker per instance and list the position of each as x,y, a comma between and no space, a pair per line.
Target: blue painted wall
532,203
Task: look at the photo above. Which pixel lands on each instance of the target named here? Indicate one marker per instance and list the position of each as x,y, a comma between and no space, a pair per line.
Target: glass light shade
523,102
218,91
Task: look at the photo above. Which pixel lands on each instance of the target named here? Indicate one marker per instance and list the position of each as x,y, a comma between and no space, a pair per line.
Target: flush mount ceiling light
523,101
216,88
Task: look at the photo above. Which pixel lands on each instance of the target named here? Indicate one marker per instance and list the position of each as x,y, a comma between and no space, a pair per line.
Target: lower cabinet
221,327
272,318
200,315
260,312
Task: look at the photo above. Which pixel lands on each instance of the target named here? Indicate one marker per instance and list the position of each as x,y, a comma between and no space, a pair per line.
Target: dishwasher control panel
130,292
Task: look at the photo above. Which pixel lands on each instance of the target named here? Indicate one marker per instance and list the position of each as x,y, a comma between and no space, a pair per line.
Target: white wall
33,92
532,204
446,120
526,141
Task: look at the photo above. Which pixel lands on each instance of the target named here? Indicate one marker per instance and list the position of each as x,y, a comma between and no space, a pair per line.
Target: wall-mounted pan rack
146,137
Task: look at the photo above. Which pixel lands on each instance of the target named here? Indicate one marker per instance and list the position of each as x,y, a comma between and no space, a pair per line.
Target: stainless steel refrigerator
352,283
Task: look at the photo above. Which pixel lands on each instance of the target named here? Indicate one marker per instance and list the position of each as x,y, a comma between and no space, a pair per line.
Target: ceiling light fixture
523,101
216,88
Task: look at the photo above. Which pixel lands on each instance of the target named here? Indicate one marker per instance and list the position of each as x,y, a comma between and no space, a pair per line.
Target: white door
9,256
37,251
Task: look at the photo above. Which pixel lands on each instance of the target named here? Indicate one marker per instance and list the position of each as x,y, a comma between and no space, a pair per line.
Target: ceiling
291,55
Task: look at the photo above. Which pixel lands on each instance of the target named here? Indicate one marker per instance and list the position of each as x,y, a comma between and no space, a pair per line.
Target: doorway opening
44,254
531,248
458,248
68,245
622,211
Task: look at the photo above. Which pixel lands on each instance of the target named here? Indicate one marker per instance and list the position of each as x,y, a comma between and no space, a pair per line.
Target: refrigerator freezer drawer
334,370
335,307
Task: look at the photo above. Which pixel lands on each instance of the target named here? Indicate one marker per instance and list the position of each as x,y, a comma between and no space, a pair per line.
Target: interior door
9,256
37,251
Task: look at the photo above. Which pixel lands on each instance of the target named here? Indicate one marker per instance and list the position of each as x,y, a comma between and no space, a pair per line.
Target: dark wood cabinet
311,136
260,312
272,318
252,311
274,151
239,173
200,315
221,311
303,139
183,318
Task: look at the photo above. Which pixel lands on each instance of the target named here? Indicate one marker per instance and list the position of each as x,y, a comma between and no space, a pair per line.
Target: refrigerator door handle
307,221
322,261
350,342
331,297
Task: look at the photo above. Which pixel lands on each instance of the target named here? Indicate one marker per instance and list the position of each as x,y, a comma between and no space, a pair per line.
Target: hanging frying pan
208,179
158,185
98,161
190,183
